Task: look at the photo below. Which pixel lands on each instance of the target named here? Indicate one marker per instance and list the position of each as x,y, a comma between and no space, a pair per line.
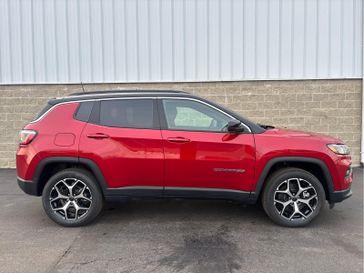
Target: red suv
90,147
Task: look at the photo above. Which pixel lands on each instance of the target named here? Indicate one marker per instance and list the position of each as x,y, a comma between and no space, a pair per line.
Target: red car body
163,160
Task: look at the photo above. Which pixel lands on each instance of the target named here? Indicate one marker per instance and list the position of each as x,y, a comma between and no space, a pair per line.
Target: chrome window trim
138,97
76,101
209,105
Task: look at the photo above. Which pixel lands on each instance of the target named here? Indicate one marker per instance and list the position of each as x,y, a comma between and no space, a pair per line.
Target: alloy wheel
70,198
295,199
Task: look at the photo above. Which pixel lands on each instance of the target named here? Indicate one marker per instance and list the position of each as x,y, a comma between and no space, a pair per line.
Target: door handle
178,140
98,136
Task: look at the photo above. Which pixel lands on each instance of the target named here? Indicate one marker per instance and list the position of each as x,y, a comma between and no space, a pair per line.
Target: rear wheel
72,198
293,197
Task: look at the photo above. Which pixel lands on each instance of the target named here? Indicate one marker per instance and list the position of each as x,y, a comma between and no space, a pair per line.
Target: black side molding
208,193
34,188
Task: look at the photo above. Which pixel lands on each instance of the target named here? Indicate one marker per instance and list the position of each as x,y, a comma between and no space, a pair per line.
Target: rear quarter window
84,111
43,111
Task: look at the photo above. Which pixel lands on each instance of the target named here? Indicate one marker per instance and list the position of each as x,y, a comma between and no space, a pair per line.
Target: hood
281,132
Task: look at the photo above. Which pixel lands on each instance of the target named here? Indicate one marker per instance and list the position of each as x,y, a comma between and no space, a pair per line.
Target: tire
296,206
78,209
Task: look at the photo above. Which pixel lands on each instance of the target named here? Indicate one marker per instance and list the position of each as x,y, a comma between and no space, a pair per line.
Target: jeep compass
88,148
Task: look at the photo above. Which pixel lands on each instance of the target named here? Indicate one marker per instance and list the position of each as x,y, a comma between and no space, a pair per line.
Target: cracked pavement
178,236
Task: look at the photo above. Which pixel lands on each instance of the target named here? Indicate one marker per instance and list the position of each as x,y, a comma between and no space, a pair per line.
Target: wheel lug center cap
294,199
71,198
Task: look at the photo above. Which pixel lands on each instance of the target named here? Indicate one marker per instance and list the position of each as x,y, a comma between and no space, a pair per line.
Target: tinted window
42,112
84,111
193,116
127,113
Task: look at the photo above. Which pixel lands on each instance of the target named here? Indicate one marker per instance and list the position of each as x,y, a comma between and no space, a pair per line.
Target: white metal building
60,41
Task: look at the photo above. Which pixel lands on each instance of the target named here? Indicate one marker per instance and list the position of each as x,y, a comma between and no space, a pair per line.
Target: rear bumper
28,186
338,196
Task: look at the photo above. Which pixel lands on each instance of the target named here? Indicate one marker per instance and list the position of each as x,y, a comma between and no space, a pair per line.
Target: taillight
27,136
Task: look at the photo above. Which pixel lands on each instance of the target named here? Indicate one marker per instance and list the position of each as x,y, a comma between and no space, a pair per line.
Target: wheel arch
51,165
313,165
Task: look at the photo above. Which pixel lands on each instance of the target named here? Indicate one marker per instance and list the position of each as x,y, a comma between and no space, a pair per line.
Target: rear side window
43,111
84,111
128,113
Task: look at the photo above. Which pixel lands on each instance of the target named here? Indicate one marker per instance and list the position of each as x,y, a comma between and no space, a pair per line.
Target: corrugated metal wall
69,41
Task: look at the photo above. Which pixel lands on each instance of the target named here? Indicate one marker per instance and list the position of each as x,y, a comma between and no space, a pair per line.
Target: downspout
362,94
362,124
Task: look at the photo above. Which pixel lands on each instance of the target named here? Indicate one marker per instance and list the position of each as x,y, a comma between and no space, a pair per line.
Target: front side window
189,115
127,113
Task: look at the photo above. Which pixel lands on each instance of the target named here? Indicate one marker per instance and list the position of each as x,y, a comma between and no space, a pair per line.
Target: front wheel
72,198
293,197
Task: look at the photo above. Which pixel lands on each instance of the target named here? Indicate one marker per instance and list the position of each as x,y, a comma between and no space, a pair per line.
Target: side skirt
121,194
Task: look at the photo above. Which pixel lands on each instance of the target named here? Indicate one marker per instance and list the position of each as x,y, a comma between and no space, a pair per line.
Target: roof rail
108,92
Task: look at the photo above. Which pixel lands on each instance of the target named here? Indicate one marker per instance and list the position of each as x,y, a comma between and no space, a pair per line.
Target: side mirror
235,126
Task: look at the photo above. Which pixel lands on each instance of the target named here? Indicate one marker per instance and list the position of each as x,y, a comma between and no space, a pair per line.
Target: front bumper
338,196
28,186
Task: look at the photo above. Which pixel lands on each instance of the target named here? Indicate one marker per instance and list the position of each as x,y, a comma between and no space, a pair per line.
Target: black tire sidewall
272,184
89,180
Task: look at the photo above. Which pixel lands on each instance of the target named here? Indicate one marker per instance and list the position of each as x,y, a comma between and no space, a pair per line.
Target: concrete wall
326,106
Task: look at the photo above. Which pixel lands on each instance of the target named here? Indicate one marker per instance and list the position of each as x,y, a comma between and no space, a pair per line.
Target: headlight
340,149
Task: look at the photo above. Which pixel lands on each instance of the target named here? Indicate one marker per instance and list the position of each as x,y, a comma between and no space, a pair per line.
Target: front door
199,152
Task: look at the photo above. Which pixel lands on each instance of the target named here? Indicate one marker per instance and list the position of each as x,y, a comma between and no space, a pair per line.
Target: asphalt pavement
178,236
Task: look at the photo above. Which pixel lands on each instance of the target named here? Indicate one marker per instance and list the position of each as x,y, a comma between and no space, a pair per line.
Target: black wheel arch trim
297,159
69,159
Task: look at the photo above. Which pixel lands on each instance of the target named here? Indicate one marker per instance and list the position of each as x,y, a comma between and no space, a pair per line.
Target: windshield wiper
267,127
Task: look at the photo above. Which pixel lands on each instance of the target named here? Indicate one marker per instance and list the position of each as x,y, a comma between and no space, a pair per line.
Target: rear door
199,152
123,138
